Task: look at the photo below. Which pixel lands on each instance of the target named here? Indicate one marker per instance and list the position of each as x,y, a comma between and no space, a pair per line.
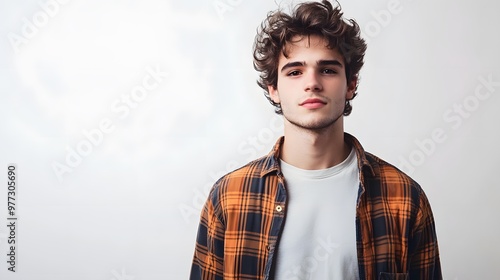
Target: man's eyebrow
292,64
333,62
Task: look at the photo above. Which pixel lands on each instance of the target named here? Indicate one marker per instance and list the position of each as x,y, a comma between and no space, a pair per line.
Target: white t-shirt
319,236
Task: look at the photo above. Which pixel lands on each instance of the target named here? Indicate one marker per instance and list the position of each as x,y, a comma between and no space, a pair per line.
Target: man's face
312,85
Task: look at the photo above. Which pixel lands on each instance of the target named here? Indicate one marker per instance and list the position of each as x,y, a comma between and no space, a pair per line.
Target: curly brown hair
310,18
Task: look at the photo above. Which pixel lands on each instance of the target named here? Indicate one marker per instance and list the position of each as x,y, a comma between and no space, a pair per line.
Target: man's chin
315,124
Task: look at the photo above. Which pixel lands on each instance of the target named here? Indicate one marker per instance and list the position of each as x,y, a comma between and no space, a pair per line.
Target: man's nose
312,82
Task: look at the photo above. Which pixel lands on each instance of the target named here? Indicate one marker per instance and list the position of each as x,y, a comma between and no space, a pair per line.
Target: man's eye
294,73
329,71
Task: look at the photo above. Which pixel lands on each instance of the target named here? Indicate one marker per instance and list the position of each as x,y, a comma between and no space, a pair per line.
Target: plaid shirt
243,217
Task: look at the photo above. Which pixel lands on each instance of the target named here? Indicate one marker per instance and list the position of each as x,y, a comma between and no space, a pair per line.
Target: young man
317,206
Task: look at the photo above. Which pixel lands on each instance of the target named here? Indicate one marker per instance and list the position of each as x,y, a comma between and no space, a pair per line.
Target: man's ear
351,88
273,93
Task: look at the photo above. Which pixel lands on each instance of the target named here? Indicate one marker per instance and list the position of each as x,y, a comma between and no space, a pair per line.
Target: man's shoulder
391,186
375,170
388,175
252,170
245,179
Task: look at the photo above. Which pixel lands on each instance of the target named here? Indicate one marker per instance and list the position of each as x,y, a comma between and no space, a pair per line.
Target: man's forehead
308,41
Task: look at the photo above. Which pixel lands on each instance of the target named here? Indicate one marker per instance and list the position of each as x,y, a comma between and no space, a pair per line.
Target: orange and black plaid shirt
243,217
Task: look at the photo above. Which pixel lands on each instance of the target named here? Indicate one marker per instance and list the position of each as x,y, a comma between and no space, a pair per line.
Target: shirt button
279,208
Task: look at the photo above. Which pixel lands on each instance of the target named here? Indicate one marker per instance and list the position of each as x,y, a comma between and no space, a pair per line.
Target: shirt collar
360,153
271,161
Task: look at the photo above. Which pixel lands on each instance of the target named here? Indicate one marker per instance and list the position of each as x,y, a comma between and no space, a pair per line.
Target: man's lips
313,103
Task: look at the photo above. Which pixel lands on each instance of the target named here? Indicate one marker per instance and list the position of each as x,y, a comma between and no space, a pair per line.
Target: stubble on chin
314,125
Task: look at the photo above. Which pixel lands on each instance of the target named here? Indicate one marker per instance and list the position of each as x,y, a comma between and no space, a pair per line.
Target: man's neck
312,150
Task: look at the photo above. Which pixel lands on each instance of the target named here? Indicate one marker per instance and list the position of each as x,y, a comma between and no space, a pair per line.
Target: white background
129,207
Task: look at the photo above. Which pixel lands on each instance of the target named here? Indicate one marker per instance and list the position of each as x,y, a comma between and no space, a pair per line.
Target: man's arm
423,247
209,250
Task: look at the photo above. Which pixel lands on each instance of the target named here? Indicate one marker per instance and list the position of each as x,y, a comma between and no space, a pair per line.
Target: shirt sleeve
423,247
209,249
